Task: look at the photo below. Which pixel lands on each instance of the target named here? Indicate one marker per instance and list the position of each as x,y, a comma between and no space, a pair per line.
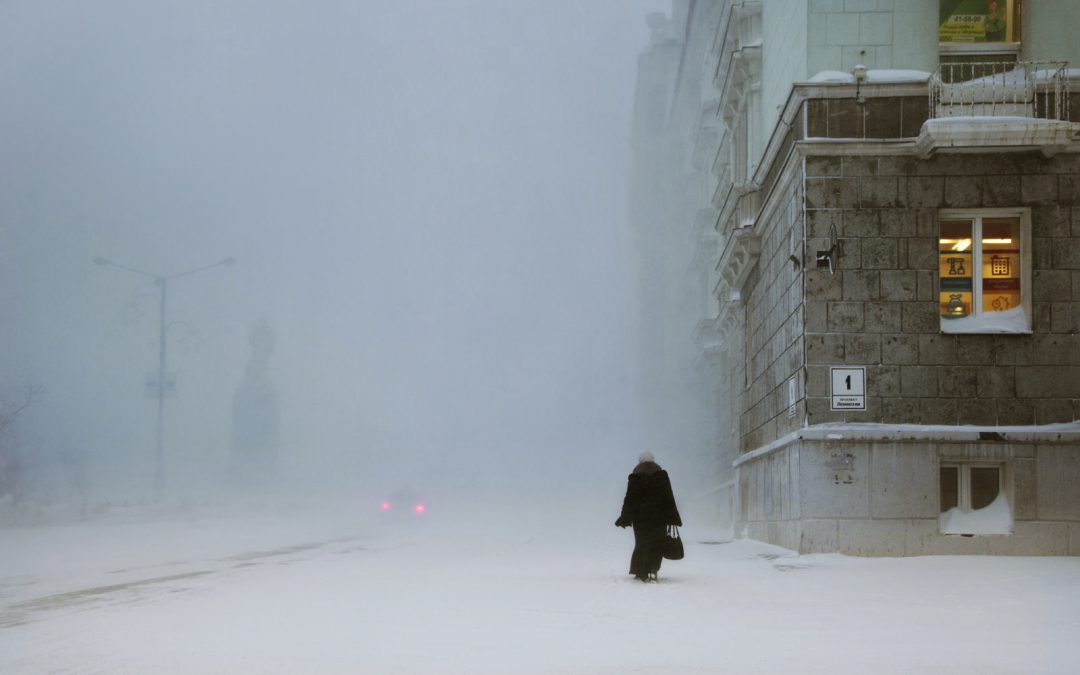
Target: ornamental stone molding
738,260
728,327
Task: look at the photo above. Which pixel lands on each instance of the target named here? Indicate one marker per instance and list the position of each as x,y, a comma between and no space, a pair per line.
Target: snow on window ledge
1010,321
996,518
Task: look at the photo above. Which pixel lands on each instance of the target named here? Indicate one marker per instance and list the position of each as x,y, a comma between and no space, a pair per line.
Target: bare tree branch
28,395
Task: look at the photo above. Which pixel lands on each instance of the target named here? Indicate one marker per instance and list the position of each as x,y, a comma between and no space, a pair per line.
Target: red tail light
419,508
385,506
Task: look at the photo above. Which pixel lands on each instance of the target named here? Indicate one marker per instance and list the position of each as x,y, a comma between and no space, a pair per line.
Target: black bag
673,548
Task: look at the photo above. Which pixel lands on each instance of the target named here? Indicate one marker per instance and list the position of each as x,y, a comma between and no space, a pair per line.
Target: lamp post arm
221,263
109,263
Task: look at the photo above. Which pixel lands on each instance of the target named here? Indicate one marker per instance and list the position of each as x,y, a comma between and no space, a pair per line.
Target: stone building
683,378
879,209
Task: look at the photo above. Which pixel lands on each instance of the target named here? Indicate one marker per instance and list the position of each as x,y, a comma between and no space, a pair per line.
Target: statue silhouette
255,413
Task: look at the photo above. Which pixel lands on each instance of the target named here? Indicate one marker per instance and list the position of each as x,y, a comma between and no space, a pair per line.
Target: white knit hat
646,457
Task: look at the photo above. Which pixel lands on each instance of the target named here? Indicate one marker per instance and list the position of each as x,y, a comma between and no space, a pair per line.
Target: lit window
973,499
984,267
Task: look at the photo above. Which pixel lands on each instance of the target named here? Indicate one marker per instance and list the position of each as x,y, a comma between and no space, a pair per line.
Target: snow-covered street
509,590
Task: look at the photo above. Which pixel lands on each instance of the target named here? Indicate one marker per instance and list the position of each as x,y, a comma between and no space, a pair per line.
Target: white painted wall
1049,32
803,37
915,35
874,33
783,56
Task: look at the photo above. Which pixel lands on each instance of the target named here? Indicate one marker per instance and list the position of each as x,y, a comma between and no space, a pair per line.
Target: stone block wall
774,319
877,118
880,309
1047,31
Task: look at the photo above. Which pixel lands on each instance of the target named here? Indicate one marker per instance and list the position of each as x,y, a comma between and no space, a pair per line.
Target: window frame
963,489
962,522
979,51
947,326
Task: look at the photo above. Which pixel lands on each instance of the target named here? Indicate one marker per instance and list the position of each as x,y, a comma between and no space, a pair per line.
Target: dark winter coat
649,499
649,506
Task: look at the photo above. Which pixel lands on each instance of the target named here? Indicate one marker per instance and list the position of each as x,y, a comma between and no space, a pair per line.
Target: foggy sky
427,202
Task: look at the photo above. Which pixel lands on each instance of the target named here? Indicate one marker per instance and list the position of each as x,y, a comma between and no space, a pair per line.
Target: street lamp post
162,282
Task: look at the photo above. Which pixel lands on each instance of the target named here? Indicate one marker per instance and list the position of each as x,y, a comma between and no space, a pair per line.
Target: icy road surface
535,590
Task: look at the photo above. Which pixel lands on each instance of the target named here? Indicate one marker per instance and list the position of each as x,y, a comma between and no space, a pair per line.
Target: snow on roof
1017,76
991,119
862,429
873,76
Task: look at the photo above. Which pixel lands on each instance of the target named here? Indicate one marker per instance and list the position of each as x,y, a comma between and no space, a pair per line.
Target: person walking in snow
649,506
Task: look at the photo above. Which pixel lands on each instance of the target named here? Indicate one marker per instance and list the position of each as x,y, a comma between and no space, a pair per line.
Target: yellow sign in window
955,268
1000,264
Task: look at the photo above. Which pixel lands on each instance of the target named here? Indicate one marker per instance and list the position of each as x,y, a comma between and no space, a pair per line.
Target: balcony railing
1036,89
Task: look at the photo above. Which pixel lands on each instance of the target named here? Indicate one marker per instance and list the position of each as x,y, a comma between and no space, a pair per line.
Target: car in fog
404,502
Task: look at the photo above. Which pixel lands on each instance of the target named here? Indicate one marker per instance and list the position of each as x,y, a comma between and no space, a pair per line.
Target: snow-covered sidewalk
522,591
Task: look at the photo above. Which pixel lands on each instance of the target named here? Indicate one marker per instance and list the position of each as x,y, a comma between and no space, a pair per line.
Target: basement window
973,499
984,267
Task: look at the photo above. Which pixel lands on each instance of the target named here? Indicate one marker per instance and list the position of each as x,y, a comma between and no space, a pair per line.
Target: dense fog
427,207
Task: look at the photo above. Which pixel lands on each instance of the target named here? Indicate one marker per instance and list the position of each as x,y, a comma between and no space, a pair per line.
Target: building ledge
958,134
851,431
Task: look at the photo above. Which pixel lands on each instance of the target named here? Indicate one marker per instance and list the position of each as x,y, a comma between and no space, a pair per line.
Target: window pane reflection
950,487
985,485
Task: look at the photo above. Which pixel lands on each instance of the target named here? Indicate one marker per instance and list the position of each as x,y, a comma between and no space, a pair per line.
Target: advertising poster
979,21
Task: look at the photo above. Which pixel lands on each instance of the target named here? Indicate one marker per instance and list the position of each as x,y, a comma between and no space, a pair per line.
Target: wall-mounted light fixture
859,72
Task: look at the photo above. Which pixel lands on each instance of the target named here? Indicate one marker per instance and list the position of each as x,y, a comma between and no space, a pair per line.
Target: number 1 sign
848,390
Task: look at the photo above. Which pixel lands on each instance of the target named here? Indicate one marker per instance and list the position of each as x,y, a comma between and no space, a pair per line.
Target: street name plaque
848,390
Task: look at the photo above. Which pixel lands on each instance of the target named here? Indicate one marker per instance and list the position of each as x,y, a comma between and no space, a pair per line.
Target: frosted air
577,336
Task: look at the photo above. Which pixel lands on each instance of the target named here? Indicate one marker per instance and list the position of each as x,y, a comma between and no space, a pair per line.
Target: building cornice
979,134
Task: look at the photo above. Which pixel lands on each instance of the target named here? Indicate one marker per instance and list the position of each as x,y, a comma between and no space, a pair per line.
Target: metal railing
1038,89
